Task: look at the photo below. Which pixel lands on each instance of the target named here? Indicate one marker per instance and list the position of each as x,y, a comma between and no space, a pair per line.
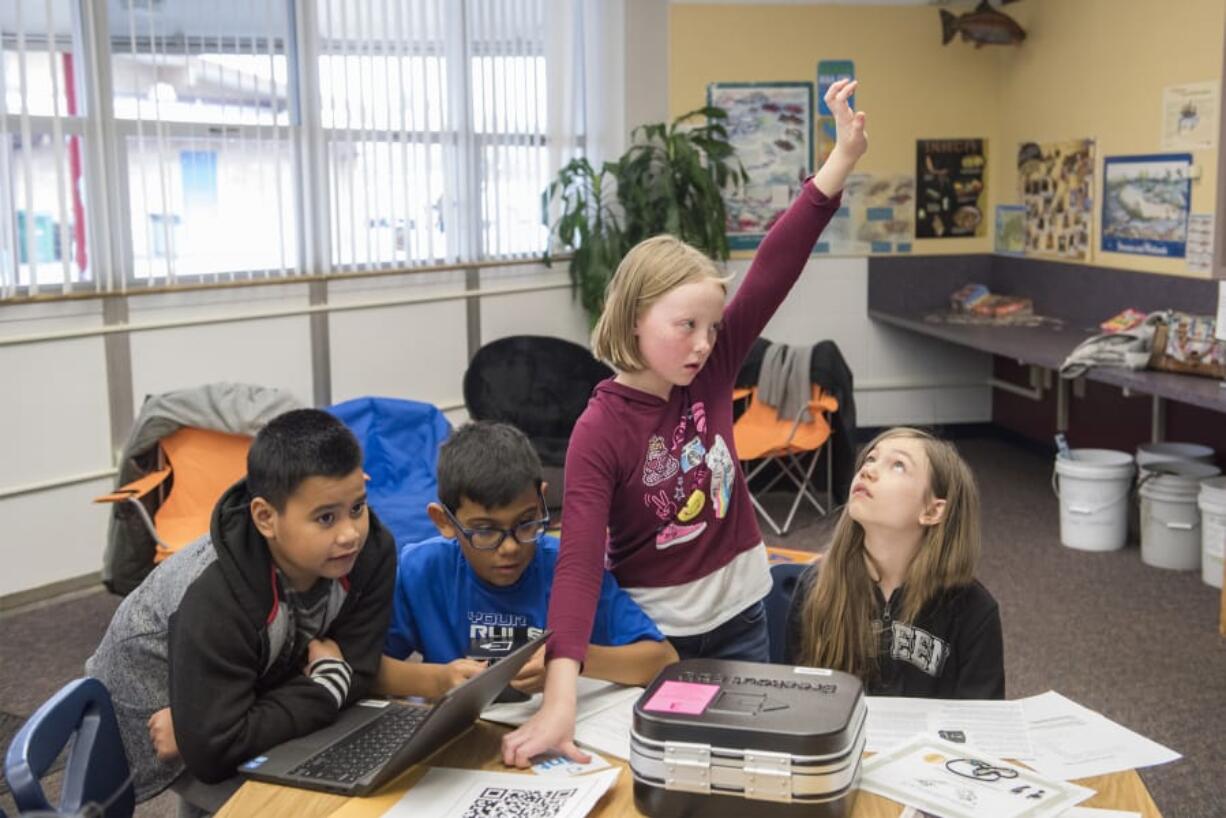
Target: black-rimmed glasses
491,538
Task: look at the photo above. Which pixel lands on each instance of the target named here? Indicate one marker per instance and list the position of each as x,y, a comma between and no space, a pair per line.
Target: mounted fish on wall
983,26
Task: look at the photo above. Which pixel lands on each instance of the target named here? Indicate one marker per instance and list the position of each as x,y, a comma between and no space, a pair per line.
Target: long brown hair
838,614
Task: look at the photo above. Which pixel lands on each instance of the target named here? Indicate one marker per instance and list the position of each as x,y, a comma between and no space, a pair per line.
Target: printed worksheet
450,793
995,727
1072,741
953,781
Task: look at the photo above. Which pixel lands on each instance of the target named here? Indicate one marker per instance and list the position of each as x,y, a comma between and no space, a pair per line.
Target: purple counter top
1042,346
1049,346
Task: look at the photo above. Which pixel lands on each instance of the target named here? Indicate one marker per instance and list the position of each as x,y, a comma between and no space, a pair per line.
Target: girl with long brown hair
895,600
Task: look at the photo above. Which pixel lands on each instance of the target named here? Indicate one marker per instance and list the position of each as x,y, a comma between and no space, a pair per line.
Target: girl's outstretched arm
783,253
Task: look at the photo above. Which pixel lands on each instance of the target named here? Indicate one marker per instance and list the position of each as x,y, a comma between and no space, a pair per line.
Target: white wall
417,352
269,352
56,425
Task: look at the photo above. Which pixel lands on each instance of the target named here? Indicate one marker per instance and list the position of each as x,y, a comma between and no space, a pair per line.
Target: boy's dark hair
299,444
489,463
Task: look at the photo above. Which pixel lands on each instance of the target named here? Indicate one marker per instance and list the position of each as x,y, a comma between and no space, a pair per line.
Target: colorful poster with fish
875,217
1189,116
1056,185
949,199
1145,204
1011,230
771,127
828,73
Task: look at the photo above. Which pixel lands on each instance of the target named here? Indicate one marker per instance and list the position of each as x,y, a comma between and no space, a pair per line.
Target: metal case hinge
768,776
687,767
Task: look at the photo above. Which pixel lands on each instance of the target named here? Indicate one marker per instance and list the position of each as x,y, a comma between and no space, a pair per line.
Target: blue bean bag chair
400,441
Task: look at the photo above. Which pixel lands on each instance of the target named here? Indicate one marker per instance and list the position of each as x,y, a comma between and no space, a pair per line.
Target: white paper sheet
604,715
1199,248
1071,741
608,731
1074,812
995,727
448,793
1190,116
594,695
954,781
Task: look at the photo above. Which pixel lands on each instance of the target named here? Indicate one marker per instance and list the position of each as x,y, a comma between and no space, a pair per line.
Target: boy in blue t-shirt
482,588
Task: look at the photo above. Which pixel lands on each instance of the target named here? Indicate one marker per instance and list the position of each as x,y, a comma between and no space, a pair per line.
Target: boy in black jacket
262,630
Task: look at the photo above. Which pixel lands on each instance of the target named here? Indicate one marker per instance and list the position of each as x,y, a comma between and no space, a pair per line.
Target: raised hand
849,124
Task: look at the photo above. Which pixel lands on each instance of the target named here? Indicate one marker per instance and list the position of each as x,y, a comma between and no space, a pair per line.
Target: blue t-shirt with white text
444,611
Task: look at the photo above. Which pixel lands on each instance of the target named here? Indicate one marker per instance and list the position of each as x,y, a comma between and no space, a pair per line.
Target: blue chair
400,441
784,577
97,771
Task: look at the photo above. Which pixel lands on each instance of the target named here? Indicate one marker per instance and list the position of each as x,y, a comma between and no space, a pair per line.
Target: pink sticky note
689,698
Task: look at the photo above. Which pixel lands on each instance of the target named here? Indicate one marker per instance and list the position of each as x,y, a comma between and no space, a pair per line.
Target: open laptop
375,740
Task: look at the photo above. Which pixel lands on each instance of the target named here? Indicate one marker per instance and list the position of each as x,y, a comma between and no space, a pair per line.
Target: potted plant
670,180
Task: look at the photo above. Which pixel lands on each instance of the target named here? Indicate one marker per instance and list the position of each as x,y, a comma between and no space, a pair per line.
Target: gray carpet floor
1138,644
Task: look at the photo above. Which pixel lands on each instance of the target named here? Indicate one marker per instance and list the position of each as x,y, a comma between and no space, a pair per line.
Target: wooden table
479,749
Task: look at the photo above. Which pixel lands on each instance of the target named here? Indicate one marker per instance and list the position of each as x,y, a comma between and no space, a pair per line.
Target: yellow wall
1088,68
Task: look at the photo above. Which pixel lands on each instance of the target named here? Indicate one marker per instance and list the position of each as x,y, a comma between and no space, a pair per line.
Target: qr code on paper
504,802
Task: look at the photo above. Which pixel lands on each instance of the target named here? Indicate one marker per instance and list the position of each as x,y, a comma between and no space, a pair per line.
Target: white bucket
1212,504
1170,520
1163,452
1093,487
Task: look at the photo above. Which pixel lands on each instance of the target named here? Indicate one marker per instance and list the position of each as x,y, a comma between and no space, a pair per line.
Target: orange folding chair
786,443
201,464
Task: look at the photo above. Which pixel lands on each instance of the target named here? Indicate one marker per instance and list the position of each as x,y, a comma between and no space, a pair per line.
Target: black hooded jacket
953,649
204,633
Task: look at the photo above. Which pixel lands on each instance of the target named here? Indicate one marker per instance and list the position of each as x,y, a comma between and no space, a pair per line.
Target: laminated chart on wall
950,188
771,127
1010,230
1145,204
1056,185
876,217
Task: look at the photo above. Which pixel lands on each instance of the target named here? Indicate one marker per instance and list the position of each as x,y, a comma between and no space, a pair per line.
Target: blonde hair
839,610
653,268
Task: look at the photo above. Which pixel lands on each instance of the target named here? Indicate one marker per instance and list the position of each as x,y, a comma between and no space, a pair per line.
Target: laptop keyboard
364,751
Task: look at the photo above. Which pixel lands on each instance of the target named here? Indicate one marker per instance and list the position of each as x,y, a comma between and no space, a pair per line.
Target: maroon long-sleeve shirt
662,476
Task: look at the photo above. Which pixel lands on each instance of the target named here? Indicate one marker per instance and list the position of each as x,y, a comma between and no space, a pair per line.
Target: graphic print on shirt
918,647
492,634
664,507
673,534
693,506
660,465
723,472
692,454
699,411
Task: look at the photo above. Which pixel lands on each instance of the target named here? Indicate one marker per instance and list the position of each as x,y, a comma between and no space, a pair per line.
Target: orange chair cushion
205,463
760,432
